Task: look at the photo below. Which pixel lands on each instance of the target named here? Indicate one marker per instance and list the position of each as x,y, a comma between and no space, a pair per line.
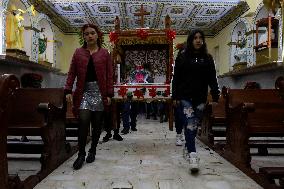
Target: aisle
148,159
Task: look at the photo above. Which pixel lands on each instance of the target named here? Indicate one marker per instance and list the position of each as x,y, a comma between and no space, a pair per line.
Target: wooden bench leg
14,181
55,151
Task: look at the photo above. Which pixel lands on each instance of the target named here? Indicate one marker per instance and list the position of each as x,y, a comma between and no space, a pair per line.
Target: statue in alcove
15,28
241,51
42,45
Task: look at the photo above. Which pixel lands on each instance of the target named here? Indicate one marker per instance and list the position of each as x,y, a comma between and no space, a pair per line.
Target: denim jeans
190,117
129,110
178,113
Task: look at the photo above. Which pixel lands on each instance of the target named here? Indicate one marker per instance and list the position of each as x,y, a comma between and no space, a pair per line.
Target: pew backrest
267,118
26,106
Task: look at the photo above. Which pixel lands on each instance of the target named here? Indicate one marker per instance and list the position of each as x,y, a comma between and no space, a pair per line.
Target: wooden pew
269,175
214,120
8,83
251,113
39,112
71,122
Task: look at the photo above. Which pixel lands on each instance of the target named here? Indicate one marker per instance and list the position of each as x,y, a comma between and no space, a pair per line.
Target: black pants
108,122
85,118
151,109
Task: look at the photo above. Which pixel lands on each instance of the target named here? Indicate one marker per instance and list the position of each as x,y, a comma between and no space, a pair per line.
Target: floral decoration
113,37
153,92
142,33
138,93
122,91
171,34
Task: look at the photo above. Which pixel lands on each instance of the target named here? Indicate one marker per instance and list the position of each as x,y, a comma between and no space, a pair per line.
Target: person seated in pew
92,66
194,71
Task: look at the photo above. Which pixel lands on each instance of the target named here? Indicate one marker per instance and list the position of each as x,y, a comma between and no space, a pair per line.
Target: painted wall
65,49
68,43
223,38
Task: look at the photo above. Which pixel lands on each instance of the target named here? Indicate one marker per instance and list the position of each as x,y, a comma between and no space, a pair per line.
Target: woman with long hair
194,71
92,66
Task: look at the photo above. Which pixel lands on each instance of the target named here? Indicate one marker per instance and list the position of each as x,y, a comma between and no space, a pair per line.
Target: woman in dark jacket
194,71
92,67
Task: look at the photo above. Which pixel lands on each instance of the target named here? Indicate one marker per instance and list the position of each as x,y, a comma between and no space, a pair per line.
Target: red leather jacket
78,69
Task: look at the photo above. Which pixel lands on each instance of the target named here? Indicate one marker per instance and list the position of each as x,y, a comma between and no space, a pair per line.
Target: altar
143,64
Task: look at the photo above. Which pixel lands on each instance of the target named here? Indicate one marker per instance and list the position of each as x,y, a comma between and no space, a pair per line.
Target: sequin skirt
92,98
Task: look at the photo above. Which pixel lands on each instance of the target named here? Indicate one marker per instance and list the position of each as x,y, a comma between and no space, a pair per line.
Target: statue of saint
141,75
42,45
15,28
241,50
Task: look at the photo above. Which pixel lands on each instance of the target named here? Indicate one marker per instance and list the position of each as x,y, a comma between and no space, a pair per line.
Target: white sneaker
181,137
178,140
193,162
185,154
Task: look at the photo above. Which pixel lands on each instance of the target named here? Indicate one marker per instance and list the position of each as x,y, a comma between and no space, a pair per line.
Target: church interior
240,139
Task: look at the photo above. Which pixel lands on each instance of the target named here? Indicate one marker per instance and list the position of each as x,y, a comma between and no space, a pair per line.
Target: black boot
91,157
125,131
107,137
133,129
117,137
79,162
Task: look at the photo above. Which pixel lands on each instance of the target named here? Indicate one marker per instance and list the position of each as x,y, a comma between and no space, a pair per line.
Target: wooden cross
142,13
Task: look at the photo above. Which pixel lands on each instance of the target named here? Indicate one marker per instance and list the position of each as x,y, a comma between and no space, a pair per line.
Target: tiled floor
148,159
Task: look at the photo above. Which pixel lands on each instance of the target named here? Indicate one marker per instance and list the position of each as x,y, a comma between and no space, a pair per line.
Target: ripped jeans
190,118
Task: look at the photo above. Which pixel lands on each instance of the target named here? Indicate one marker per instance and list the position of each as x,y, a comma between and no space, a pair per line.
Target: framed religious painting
143,64
143,60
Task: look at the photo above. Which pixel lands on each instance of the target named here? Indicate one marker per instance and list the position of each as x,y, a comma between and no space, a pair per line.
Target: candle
118,73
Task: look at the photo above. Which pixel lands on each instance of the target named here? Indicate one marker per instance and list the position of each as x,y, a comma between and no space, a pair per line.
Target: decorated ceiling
208,15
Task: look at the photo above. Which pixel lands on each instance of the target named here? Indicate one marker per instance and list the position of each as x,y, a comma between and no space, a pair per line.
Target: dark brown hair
190,38
100,35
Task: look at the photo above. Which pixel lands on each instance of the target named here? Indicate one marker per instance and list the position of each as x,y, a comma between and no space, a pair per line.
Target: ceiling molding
209,15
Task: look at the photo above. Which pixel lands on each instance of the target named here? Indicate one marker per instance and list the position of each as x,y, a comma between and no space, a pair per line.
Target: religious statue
140,75
42,45
241,51
15,28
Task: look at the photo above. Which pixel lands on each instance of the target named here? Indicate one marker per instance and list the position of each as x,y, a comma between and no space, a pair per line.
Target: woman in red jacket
92,67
